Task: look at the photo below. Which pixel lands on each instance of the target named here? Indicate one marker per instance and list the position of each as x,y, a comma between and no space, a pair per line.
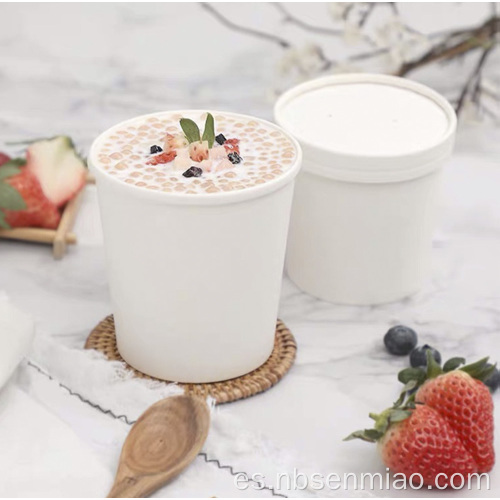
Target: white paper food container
195,280
365,202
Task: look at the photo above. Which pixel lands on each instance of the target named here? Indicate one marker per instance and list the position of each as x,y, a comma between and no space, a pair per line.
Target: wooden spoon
164,441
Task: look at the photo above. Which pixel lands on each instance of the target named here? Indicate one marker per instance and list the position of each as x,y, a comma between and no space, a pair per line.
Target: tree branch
475,76
289,18
469,40
243,29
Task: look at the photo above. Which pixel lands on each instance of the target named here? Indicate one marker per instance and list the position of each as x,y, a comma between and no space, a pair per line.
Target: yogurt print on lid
195,152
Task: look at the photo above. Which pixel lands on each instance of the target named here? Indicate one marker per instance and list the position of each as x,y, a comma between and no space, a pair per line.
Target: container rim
360,167
200,198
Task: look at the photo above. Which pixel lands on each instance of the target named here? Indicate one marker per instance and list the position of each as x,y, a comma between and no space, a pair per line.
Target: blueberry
155,149
493,381
400,340
220,139
234,158
193,172
418,357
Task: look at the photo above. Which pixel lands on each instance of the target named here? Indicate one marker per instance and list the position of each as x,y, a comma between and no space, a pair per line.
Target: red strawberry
55,163
426,444
39,211
231,146
4,158
467,405
445,427
162,158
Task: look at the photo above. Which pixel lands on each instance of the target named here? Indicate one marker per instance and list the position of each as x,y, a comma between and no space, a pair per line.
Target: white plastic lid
368,128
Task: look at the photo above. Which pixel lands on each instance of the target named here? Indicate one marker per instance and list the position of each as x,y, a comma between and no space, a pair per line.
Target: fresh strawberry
425,443
162,158
55,163
445,427
467,405
232,146
39,210
4,158
198,151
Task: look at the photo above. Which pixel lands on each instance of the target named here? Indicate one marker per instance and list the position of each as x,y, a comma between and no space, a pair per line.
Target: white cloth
16,334
39,454
124,398
60,389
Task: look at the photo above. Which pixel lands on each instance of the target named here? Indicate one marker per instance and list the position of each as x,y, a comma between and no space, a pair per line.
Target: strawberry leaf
10,198
12,167
209,130
411,374
3,223
453,364
408,388
433,367
370,435
480,370
412,384
398,415
190,129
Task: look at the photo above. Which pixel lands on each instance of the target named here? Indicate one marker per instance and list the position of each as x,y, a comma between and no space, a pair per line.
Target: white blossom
352,33
337,9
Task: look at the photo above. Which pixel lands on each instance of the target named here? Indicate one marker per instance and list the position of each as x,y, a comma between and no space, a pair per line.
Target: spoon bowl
166,438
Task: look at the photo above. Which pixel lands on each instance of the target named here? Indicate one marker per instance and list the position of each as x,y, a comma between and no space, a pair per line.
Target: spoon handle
129,487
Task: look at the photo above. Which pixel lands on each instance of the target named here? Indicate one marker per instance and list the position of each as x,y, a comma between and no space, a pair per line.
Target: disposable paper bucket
365,202
195,280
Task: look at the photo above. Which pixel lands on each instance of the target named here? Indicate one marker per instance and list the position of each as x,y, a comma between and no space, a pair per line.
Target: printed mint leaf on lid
190,129
209,131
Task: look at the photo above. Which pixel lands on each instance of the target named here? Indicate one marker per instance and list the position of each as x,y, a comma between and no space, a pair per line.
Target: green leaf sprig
209,131
192,131
10,199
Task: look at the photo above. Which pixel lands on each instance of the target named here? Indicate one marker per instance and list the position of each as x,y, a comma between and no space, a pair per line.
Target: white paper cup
195,280
365,202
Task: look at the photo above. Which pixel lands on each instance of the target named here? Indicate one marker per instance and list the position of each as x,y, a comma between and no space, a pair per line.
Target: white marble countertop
342,371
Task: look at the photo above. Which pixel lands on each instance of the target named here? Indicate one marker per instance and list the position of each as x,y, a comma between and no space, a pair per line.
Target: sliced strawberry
4,158
232,146
198,151
162,158
39,211
173,142
59,169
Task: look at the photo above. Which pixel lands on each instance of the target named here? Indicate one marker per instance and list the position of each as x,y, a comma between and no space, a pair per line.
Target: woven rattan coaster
102,338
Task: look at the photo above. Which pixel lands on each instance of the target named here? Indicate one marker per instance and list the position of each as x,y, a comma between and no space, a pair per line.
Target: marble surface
342,371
